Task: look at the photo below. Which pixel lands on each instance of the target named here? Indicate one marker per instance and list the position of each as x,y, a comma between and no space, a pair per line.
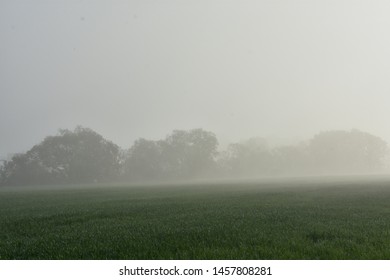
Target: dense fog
176,90
84,156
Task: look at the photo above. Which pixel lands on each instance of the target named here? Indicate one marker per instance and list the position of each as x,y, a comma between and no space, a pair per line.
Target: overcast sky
283,70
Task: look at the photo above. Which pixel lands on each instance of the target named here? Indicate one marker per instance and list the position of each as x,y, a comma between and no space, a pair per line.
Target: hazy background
283,70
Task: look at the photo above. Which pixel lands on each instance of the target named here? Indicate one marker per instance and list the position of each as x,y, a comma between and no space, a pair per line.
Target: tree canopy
78,156
181,155
84,156
347,152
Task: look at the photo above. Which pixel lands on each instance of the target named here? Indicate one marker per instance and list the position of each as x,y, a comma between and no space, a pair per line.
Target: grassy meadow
328,218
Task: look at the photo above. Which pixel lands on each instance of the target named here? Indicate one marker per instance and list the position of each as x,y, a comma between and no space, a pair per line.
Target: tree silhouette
77,156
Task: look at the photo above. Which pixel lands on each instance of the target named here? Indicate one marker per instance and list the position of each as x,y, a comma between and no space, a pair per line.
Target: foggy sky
283,70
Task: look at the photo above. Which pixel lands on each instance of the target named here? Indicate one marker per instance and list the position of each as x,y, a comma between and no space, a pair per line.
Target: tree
189,154
79,156
347,152
332,152
181,155
248,158
144,161
20,169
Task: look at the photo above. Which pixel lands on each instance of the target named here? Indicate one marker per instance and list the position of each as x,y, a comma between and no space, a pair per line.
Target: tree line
84,156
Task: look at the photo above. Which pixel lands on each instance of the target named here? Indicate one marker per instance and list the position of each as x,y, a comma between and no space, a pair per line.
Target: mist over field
199,129
195,89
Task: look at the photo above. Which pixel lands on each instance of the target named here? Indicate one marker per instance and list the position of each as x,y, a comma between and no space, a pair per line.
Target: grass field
340,218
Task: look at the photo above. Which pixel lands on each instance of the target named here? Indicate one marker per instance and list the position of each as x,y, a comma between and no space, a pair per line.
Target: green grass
289,219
